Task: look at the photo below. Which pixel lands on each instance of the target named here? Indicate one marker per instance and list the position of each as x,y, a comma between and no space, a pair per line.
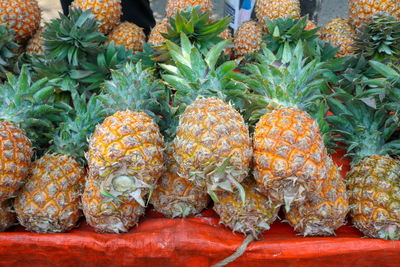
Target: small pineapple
106,12
361,10
310,25
248,38
175,6
340,34
36,43
155,37
50,200
226,35
176,197
254,216
23,16
126,151
7,215
272,9
128,34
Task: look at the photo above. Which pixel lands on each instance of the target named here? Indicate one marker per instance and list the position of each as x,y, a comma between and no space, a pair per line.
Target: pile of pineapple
96,121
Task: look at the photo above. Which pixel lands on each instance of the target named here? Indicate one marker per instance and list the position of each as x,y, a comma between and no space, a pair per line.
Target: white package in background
239,10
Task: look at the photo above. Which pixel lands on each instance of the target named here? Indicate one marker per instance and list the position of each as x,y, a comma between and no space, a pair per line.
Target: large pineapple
7,215
106,12
339,33
22,106
23,16
175,6
248,38
51,198
212,145
361,10
128,34
176,197
267,9
126,151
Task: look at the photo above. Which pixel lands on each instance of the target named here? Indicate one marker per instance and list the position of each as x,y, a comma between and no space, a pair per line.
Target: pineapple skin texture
175,6
106,215
273,9
130,144
289,154
325,207
50,200
128,34
175,197
155,37
15,159
7,216
361,10
23,16
252,217
106,12
374,191
210,131
248,38
36,43
340,34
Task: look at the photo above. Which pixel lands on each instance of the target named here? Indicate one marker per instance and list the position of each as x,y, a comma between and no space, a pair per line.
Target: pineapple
212,145
36,43
155,37
50,200
7,216
128,34
361,10
126,151
22,106
272,9
8,50
226,35
310,25
175,196
23,16
325,208
339,33
175,6
248,38
254,216
106,12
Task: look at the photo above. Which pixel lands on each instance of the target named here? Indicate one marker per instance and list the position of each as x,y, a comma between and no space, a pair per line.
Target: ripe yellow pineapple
128,34
340,34
23,16
35,44
248,38
253,216
7,216
51,198
273,9
325,207
226,35
107,12
176,196
310,25
361,10
155,37
175,6
126,151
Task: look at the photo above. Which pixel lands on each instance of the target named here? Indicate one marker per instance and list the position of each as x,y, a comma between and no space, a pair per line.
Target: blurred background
330,9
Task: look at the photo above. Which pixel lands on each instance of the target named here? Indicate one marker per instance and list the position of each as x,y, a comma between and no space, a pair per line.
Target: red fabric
193,242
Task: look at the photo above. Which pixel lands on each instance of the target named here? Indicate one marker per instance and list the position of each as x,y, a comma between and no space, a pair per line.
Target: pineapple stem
239,252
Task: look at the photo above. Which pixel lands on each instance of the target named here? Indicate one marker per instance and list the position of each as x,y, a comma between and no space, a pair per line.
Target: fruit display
285,129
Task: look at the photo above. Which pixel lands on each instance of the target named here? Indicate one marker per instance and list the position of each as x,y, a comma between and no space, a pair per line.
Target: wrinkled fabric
196,241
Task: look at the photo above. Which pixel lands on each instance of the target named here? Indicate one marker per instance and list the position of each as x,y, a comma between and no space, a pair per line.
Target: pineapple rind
340,34
7,215
175,6
272,9
128,34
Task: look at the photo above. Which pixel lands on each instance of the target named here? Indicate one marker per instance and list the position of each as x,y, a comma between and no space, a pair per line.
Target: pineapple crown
134,87
379,38
7,49
289,82
78,124
28,105
73,38
364,126
195,74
